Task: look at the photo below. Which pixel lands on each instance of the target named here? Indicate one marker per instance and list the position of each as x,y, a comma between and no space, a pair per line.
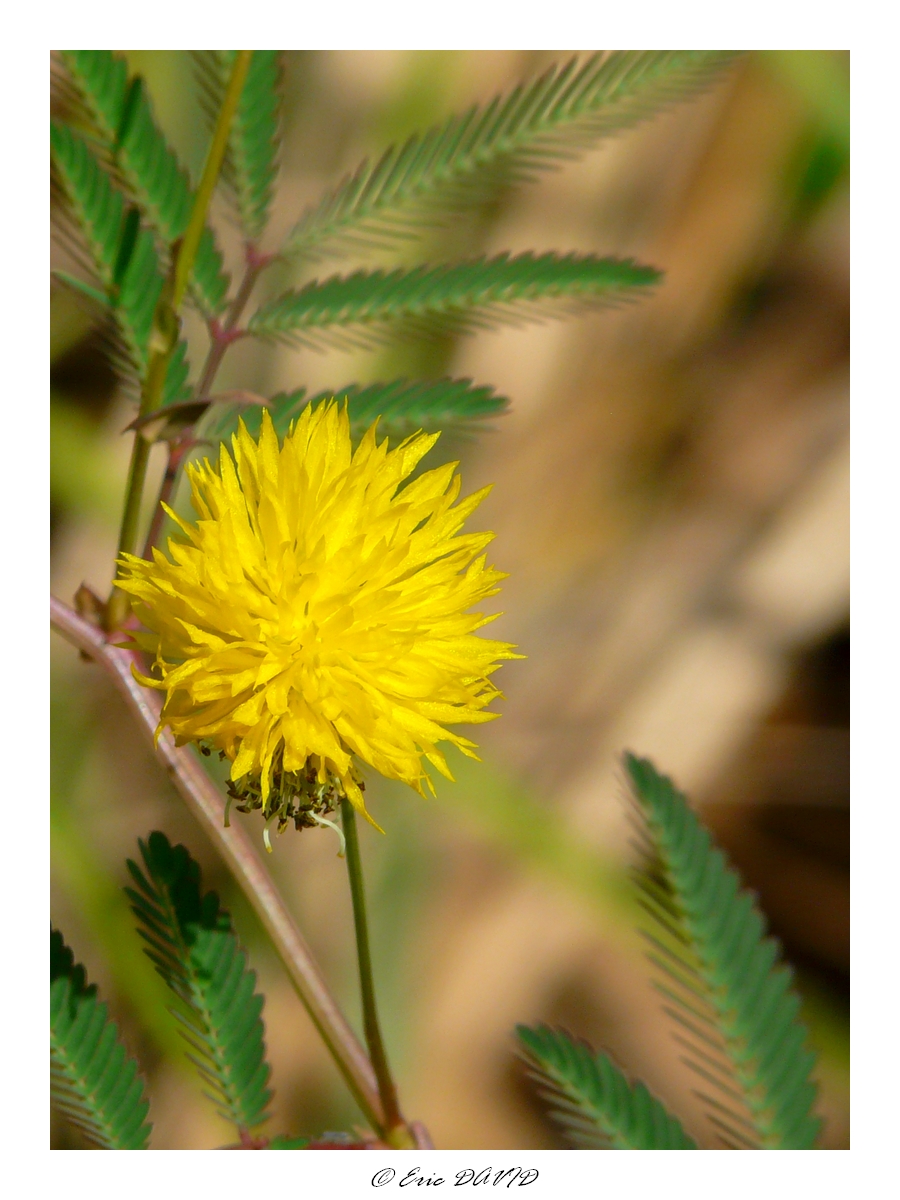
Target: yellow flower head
319,611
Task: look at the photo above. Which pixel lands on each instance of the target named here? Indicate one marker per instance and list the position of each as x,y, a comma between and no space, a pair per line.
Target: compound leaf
251,161
592,1100
368,307
121,256
122,119
93,1082
402,407
193,947
736,1011
511,140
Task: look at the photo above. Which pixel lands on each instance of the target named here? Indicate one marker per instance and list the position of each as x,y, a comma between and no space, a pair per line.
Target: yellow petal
320,609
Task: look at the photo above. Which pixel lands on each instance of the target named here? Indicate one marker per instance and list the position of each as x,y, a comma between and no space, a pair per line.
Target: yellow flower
318,611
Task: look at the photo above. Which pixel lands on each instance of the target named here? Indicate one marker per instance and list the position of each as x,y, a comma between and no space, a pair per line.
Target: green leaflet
120,112
736,1013
401,407
85,290
369,306
98,207
192,944
93,1082
251,163
592,1100
122,255
177,389
462,162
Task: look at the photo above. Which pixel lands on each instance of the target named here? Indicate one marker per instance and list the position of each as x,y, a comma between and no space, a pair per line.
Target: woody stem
234,844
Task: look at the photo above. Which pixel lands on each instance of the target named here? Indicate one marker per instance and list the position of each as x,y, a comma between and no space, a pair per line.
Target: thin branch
222,336
237,849
177,451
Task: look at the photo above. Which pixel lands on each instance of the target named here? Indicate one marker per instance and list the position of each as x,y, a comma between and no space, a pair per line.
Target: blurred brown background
671,503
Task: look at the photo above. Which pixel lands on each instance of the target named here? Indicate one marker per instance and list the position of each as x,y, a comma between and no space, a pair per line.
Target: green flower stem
237,849
395,1131
164,335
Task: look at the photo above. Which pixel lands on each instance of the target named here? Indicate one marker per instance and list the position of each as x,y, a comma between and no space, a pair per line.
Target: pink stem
237,849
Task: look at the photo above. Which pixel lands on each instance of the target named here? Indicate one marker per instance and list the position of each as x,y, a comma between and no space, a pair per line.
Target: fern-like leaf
368,307
193,947
736,1012
537,126
402,408
251,161
121,256
122,118
591,1099
93,1082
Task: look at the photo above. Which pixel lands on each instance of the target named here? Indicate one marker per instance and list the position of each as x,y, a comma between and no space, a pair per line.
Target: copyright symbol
385,1175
